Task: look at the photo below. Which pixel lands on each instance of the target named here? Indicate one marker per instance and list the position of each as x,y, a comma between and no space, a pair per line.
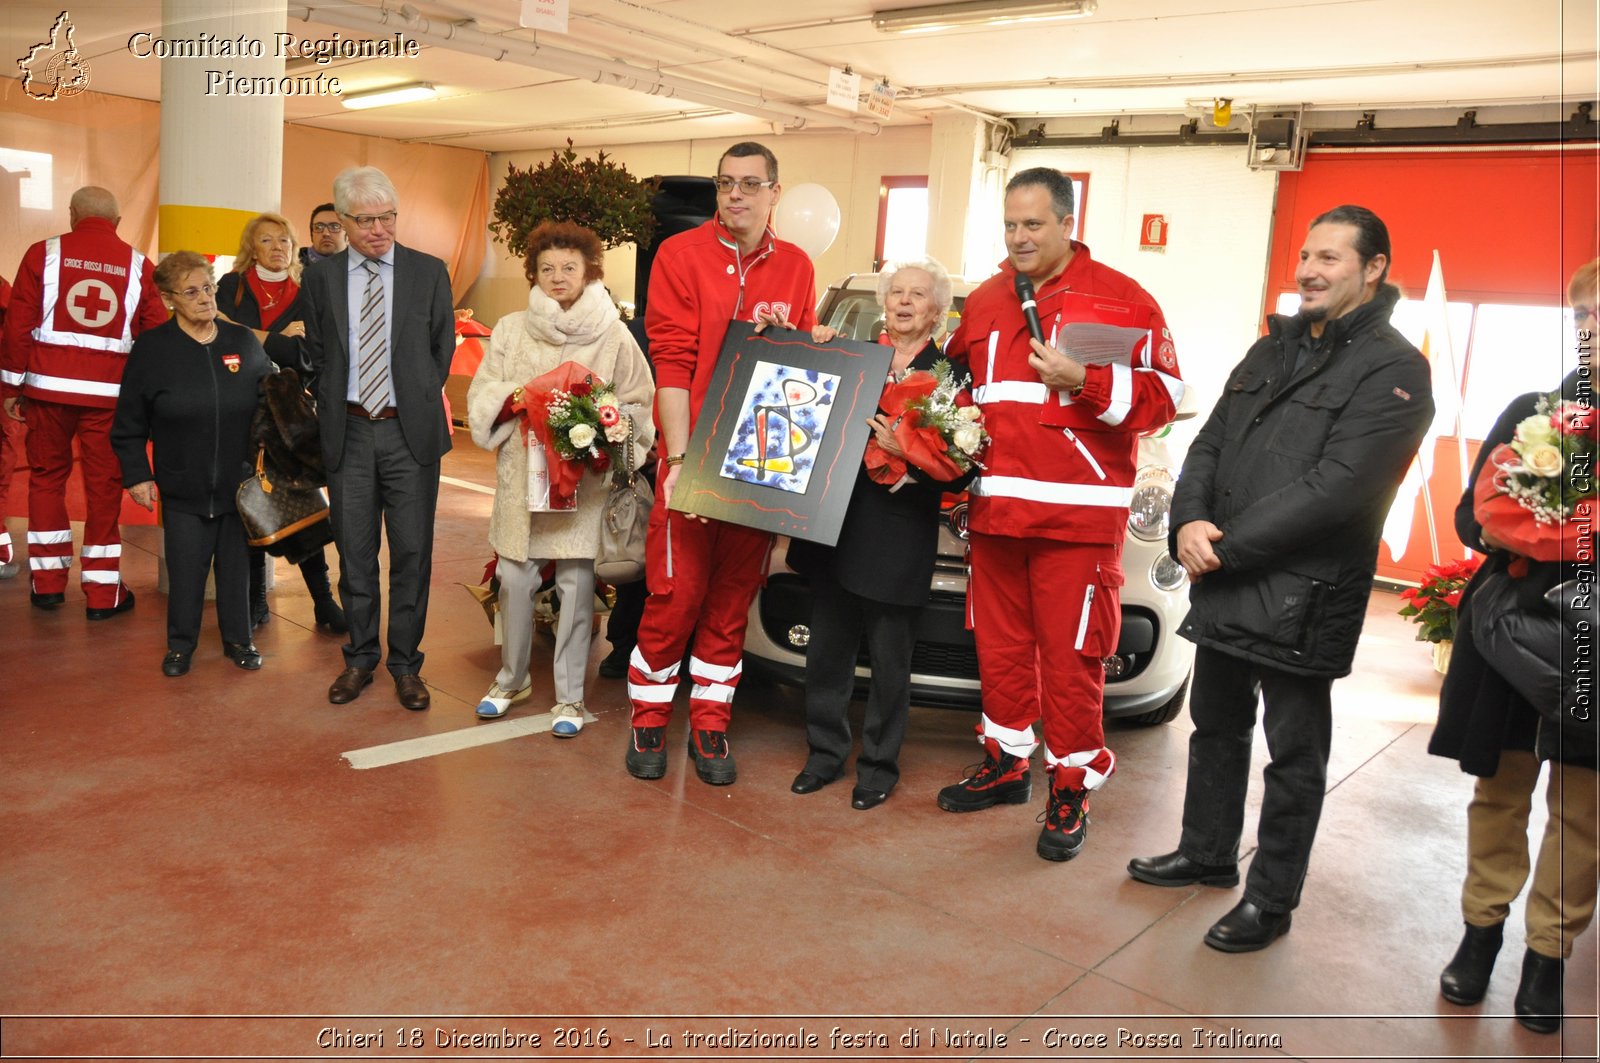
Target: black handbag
276,514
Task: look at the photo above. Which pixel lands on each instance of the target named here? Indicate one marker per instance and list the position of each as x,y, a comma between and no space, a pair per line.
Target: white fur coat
528,344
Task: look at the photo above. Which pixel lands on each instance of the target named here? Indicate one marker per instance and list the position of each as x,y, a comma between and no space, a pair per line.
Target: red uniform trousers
13,440
1044,614
51,428
702,579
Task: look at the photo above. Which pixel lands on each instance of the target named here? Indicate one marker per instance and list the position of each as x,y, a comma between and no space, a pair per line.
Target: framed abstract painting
781,432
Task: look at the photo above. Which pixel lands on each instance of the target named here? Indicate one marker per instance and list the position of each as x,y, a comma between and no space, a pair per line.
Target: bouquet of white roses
935,424
1534,486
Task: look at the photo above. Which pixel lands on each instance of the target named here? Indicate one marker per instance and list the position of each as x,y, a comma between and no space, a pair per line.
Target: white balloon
808,215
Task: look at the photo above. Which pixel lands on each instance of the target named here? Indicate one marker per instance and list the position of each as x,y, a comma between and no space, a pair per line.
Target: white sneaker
9,569
497,701
568,719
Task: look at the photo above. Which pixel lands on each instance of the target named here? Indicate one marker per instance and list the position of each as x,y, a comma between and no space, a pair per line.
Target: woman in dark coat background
263,294
189,390
877,577
1498,736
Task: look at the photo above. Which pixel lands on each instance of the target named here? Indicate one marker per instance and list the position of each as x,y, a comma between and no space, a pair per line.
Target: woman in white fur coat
570,317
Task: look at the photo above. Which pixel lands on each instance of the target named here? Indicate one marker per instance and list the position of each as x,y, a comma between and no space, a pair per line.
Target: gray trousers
519,582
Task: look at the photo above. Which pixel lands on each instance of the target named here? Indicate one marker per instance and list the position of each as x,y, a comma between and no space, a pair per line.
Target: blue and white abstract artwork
783,418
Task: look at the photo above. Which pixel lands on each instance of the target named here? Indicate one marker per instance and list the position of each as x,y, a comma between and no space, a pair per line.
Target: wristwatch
674,459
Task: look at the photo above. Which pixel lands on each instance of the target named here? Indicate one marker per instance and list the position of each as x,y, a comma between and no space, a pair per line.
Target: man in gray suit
379,335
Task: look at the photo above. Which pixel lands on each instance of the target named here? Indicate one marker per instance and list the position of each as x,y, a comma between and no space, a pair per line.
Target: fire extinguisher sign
1153,233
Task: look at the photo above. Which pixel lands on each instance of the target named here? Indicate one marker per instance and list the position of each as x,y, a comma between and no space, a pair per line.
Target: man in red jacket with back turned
703,574
1048,513
78,302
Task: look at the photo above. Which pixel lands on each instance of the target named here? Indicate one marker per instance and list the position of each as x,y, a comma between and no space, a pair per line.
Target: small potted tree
596,193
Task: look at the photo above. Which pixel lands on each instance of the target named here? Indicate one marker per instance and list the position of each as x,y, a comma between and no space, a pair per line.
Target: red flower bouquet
935,424
573,416
1536,494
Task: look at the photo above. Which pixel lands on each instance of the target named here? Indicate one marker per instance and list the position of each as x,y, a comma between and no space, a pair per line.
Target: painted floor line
433,745
468,484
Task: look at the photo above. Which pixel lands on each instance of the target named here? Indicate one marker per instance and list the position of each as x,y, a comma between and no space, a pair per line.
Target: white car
1147,679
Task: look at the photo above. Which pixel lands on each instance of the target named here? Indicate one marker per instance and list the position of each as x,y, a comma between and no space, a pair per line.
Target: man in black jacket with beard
1276,518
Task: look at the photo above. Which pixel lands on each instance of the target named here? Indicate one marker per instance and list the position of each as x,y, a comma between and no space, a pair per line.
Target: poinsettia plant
1432,605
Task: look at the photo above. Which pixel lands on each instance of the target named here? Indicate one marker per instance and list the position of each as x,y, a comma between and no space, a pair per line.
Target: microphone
1030,309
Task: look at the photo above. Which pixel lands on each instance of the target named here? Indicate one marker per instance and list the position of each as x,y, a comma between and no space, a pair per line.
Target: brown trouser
1561,901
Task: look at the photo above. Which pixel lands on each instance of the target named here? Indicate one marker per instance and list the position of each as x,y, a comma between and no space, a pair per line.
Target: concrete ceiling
631,71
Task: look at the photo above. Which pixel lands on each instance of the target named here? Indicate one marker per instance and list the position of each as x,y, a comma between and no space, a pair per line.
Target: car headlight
1167,574
1150,512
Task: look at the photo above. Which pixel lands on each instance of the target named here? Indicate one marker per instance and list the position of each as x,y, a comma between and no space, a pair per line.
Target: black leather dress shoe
1247,929
244,655
350,683
1466,979
412,692
106,614
808,783
46,601
175,664
1538,1001
863,798
1175,869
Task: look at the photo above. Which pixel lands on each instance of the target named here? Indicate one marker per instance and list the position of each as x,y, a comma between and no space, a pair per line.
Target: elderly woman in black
190,390
876,578
263,294
1499,736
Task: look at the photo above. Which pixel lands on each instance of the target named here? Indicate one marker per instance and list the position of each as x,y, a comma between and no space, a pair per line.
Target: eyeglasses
748,185
331,226
367,221
195,293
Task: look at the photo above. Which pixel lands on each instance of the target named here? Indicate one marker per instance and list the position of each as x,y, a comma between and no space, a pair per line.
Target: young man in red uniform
1048,513
78,302
703,574
11,444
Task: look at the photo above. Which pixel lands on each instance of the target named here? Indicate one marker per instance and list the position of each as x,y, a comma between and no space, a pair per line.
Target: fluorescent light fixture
931,18
417,90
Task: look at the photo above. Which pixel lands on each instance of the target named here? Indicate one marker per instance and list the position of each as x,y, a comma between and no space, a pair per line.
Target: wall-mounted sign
844,90
1153,233
880,101
548,15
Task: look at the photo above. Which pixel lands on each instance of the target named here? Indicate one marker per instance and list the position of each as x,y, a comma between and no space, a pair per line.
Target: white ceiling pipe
590,68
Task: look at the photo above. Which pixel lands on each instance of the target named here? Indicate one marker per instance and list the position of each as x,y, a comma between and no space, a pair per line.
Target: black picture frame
818,512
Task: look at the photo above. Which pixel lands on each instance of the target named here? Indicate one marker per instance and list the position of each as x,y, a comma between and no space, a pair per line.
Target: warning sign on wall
1153,233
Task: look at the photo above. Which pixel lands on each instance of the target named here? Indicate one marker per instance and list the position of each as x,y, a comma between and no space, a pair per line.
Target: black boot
1466,979
329,616
1538,1001
258,588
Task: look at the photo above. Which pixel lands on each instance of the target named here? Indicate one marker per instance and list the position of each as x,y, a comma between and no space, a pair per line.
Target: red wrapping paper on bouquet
923,445
1511,525
534,408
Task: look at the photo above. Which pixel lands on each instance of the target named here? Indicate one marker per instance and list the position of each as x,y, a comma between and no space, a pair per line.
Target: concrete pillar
965,183
222,152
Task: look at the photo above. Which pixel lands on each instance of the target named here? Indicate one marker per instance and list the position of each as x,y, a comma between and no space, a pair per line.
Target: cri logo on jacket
777,310
232,362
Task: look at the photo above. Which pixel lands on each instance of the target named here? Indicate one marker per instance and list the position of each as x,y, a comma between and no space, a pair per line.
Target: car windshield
856,315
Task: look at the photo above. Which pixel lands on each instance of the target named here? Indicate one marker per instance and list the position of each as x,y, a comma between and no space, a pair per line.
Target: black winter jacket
1299,476
193,402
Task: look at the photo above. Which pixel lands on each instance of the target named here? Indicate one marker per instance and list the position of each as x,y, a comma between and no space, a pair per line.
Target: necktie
372,343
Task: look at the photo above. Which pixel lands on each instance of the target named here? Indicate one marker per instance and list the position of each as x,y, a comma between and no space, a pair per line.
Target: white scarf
592,314
271,276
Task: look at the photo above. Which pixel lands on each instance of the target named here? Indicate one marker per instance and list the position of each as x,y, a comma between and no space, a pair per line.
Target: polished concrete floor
195,868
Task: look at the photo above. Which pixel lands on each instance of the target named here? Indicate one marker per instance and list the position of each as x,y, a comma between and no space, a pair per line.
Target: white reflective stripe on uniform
716,673
1011,391
114,550
994,345
90,575
665,675
8,377
51,285
1083,617
1017,743
1175,387
1088,456
1121,395
721,693
68,384
41,564
46,538
1092,780
657,694
992,486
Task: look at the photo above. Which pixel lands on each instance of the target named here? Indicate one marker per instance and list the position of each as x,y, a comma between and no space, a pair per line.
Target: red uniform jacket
79,301
1061,467
700,284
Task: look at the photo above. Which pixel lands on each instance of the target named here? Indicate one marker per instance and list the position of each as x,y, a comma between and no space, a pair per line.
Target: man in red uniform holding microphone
1048,513
703,574
78,302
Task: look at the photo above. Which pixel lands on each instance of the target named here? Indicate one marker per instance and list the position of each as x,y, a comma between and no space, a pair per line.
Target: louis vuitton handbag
623,524
275,511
